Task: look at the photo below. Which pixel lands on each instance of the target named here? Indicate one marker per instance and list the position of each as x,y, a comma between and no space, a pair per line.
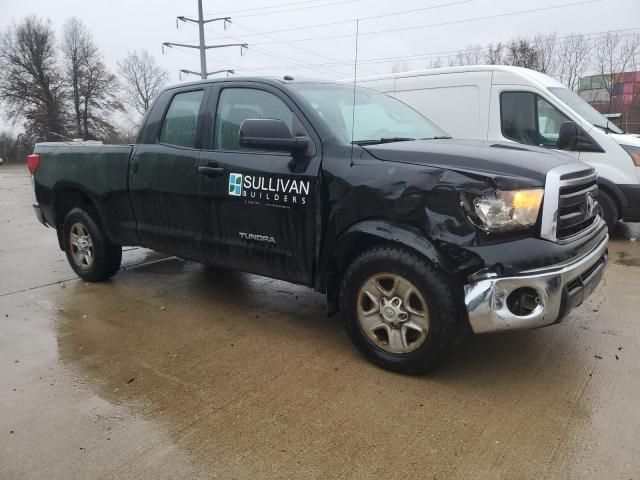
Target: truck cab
513,104
415,238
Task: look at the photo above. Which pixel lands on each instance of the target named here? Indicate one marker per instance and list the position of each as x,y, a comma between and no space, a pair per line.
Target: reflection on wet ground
176,370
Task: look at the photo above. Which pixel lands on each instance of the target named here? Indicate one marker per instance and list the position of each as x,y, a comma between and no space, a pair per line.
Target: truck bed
98,171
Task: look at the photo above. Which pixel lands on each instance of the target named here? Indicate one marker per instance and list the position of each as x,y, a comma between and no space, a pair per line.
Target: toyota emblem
591,205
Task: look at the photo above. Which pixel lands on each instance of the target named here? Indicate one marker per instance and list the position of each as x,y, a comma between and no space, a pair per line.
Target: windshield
583,109
377,118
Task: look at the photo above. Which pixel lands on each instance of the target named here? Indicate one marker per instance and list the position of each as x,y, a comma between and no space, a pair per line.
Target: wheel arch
66,198
614,192
368,234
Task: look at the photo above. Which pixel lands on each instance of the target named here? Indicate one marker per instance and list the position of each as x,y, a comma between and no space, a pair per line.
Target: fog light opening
523,301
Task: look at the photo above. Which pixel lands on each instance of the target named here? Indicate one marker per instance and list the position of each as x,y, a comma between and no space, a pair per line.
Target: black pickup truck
414,237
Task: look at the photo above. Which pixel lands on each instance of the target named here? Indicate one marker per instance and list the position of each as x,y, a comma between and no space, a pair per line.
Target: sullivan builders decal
277,191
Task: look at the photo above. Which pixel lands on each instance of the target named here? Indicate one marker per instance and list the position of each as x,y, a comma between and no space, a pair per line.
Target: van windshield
582,108
377,118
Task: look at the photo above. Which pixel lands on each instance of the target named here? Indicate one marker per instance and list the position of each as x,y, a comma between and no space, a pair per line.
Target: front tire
89,251
400,311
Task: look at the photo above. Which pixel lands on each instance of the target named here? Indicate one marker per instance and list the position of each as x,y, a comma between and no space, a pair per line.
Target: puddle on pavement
161,266
246,373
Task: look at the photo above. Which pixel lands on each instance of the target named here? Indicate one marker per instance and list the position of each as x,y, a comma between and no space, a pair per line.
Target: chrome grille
577,207
570,208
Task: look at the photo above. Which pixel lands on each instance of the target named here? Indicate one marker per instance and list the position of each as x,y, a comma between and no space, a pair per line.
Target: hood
493,159
627,139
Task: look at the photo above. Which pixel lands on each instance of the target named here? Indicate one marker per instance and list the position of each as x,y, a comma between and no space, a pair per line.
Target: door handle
211,171
135,162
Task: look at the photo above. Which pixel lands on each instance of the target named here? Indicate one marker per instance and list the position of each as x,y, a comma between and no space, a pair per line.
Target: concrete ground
173,370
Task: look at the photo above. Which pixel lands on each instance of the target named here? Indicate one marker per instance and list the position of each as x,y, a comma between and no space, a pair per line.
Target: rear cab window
180,123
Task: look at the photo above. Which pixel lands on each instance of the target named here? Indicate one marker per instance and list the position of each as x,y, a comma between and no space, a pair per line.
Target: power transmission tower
191,72
202,46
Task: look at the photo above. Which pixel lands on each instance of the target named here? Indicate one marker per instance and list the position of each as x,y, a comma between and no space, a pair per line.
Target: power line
272,54
267,53
306,50
372,17
288,10
269,7
418,27
593,36
278,18
293,45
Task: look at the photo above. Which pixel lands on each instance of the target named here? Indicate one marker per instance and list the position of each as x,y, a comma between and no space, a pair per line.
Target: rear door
163,175
260,207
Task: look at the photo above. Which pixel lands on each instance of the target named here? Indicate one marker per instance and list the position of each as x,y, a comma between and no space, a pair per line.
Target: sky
293,36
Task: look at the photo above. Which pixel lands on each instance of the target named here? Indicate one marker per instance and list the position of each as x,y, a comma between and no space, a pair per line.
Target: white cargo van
503,103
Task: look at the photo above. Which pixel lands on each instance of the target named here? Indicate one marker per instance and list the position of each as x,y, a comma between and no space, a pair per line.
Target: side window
549,121
236,105
181,120
530,119
519,117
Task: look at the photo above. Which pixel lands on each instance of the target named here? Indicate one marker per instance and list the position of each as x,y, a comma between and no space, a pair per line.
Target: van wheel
89,252
609,209
399,310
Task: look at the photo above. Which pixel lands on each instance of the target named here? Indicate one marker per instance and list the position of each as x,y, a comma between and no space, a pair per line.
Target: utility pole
202,45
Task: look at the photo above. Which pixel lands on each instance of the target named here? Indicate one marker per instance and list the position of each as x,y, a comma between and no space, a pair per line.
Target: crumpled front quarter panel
422,198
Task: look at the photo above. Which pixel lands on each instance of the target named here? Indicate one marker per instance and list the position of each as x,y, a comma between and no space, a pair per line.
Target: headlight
634,153
508,210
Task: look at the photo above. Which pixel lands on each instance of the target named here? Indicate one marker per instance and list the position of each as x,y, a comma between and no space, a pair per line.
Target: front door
164,180
526,117
259,206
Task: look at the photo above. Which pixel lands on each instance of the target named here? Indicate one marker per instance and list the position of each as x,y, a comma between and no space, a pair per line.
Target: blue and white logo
235,184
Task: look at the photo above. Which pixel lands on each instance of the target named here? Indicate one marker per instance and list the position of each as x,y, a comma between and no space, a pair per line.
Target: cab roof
281,80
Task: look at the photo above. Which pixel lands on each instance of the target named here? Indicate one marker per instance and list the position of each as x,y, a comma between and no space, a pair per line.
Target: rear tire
388,329
609,208
89,251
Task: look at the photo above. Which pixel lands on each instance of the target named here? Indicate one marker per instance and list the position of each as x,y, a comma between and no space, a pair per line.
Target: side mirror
572,137
271,134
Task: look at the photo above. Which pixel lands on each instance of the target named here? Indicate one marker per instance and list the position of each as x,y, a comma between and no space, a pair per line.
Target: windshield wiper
607,128
383,140
603,127
441,137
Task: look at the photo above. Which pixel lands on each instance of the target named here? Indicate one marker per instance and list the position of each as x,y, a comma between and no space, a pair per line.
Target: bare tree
572,60
401,66
143,79
31,86
546,47
522,53
435,63
495,54
93,87
613,55
471,55
8,147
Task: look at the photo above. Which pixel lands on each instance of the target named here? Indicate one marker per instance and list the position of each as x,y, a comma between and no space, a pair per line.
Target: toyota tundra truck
415,238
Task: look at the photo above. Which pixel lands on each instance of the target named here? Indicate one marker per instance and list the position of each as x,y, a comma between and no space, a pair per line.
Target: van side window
181,120
549,121
238,104
528,118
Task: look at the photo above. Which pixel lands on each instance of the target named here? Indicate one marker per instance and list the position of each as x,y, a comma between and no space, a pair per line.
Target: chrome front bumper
559,288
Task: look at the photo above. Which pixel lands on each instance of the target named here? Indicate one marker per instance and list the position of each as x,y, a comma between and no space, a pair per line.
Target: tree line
567,58
61,88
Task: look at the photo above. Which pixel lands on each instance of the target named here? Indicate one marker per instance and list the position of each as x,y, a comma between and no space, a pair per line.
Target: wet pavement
176,370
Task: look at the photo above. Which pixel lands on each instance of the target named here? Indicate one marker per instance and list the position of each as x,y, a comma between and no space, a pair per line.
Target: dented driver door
258,206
